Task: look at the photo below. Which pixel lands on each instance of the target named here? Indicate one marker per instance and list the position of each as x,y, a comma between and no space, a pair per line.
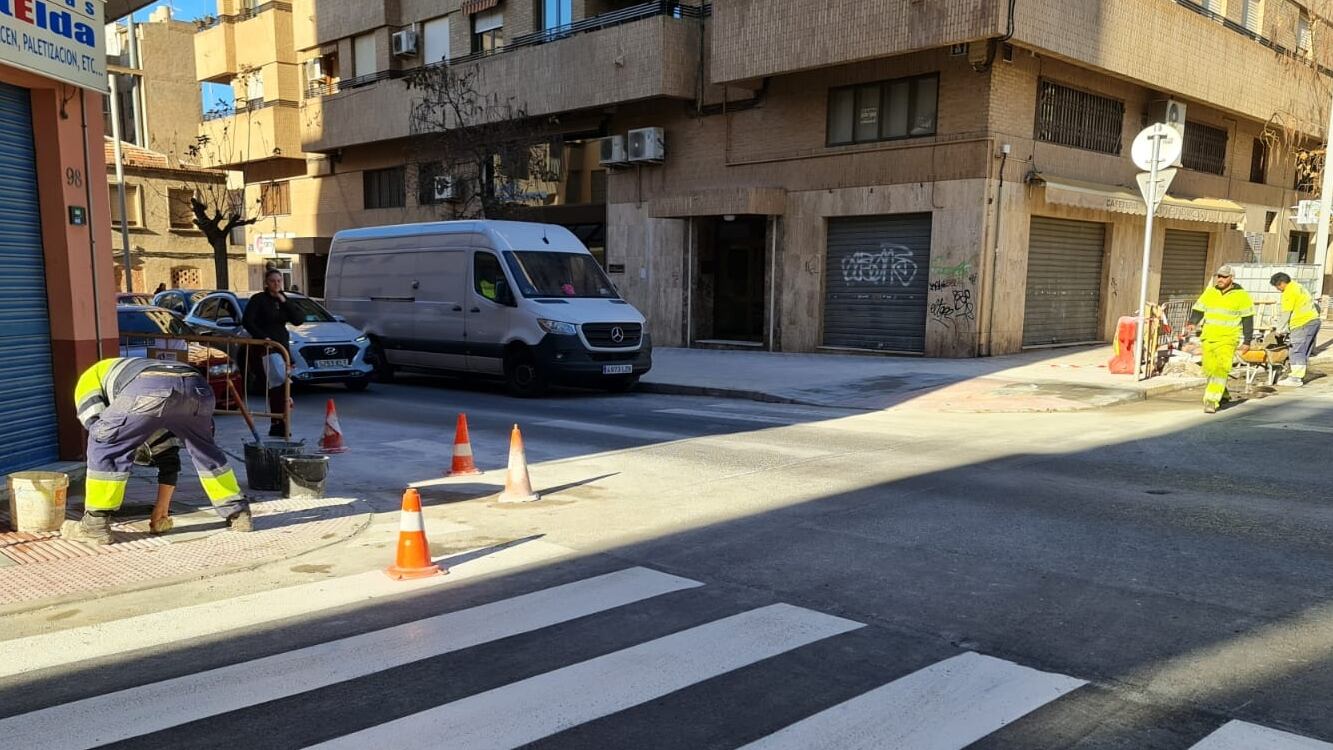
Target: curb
361,522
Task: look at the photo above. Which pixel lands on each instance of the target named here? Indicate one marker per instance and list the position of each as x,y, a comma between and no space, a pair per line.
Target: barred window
1078,119
1205,148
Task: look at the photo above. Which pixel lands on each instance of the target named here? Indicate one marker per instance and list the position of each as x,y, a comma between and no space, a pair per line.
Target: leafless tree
497,156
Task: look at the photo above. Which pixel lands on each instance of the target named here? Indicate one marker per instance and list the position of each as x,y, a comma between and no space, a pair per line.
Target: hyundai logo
330,350
617,334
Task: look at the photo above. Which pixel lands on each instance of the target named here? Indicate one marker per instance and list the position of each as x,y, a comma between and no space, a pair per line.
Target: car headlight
219,371
361,339
557,327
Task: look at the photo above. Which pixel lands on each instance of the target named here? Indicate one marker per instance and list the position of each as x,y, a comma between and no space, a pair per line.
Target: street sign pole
1149,203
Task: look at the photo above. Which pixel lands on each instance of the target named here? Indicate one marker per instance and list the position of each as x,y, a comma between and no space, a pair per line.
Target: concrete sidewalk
1035,381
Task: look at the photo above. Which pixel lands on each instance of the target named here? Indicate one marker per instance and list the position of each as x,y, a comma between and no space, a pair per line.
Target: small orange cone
413,560
518,485
332,440
463,463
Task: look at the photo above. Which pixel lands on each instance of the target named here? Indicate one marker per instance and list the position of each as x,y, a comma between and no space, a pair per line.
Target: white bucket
37,500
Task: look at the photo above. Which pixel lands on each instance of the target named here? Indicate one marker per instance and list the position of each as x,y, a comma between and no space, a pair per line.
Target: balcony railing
253,105
652,9
208,22
1197,7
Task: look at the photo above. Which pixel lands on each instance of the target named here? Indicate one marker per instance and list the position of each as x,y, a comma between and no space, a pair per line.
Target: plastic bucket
263,463
37,500
303,475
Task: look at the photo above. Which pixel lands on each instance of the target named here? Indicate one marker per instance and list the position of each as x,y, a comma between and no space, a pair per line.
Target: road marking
540,706
1297,426
158,629
138,711
1240,735
948,705
610,428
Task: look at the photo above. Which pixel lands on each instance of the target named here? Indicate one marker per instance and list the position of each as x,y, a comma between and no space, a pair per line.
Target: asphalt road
1144,576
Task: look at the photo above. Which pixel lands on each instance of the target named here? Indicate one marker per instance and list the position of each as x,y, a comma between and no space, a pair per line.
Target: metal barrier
245,359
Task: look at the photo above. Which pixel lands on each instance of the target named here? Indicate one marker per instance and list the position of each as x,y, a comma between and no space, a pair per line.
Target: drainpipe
92,233
120,182
995,251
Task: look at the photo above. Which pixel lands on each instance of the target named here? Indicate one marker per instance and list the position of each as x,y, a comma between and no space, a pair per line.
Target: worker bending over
1227,314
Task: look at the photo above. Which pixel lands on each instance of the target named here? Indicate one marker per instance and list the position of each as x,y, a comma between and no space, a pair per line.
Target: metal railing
642,11
254,105
208,22
1239,28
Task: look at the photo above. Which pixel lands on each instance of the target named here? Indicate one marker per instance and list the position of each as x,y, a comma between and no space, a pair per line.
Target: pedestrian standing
125,402
267,315
1227,314
161,287
1301,321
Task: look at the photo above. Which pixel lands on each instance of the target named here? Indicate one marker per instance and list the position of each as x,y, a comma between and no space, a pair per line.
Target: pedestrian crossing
947,704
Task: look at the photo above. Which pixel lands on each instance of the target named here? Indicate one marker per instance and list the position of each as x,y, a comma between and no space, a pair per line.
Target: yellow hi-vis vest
1223,311
1299,303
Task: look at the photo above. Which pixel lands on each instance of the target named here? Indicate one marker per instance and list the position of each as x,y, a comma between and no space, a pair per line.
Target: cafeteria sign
60,39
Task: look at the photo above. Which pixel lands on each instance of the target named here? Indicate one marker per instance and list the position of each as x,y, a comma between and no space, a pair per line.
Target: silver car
324,348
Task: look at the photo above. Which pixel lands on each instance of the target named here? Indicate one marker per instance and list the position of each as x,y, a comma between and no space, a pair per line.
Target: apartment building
945,178
152,65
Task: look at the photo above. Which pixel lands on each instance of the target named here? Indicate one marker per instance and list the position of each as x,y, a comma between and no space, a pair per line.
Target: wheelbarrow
1268,357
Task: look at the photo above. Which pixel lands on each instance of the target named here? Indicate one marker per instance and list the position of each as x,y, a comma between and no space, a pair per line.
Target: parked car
143,332
323,348
180,301
520,300
134,298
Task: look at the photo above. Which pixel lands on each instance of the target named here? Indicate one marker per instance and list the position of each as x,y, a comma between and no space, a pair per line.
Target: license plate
617,369
330,363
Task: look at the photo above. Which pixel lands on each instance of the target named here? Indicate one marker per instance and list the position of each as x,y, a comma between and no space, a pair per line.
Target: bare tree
496,156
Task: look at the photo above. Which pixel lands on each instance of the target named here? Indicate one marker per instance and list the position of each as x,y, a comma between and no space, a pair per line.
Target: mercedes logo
330,350
617,334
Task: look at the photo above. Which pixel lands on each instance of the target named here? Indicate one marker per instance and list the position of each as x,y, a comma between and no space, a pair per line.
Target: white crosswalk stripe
1240,735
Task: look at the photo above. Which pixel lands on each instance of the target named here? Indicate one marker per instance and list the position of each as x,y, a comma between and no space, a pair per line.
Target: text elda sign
60,39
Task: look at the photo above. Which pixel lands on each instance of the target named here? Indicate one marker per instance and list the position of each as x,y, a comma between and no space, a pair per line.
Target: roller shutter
1184,265
875,285
1064,283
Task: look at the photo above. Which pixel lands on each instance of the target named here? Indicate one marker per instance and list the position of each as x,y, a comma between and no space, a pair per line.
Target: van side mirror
504,295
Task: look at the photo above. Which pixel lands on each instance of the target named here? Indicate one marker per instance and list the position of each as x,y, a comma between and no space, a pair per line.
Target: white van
524,301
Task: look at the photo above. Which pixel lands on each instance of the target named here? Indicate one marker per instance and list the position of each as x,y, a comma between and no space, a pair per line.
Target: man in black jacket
266,317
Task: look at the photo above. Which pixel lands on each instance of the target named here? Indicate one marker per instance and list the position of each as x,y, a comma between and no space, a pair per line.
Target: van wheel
523,377
623,385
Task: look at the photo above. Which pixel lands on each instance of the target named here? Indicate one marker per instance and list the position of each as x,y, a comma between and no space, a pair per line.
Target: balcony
258,132
215,53
263,30
642,52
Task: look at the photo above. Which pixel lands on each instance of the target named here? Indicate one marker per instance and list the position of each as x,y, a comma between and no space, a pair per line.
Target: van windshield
545,274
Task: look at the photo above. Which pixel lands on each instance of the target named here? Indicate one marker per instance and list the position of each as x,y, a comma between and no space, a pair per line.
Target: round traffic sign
1168,150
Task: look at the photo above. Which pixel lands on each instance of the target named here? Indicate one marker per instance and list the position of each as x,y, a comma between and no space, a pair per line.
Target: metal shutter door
27,406
1184,265
875,284
1064,288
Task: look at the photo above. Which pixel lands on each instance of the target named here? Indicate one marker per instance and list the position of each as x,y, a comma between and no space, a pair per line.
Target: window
488,31
1205,148
1259,161
435,45
426,174
133,206
254,87
552,14
179,209
363,55
1252,15
275,199
1079,119
1303,32
902,108
1216,6
236,200
384,188
1298,247
208,309
185,277
487,275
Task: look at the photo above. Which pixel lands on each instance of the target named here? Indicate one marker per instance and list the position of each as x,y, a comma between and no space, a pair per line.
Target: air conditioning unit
405,43
613,151
1169,111
446,189
647,145
314,69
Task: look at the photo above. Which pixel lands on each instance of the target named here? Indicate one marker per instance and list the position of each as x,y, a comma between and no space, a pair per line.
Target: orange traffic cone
463,463
518,486
413,559
332,439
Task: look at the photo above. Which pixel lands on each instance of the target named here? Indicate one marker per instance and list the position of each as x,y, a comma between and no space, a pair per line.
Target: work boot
95,530
1291,382
241,521
1210,408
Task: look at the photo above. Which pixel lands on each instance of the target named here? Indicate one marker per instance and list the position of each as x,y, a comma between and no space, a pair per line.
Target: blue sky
188,10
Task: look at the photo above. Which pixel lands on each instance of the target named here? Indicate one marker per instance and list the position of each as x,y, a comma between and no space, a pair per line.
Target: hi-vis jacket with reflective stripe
99,384
1226,315
1299,303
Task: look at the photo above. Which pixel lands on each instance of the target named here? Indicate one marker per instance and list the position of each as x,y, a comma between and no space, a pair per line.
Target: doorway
729,279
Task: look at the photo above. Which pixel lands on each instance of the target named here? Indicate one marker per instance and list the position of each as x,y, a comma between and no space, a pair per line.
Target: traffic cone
332,439
413,559
463,464
518,486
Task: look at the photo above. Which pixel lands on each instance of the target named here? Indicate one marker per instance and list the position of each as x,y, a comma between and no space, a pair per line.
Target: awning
477,6
1079,194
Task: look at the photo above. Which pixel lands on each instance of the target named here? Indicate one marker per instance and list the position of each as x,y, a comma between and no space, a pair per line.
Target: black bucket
303,475
263,463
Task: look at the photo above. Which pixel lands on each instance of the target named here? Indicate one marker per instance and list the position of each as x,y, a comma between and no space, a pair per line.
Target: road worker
125,402
1300,318
162,451
1227,314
